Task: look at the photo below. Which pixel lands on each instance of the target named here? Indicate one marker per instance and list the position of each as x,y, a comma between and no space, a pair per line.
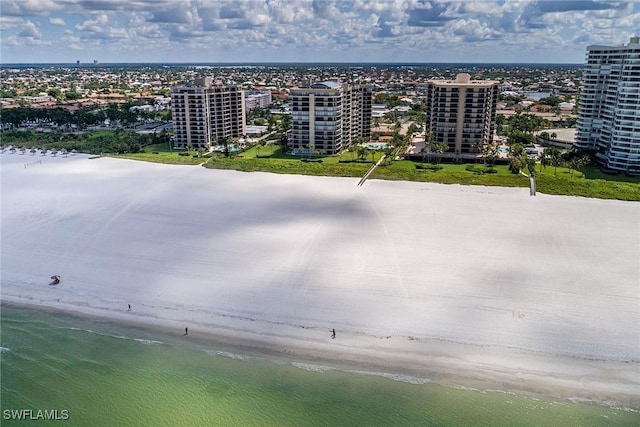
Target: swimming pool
376,146
503,149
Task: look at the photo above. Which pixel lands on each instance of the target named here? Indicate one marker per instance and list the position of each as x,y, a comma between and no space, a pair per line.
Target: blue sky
38,31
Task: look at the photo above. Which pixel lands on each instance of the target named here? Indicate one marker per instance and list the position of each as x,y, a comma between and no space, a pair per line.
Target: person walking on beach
129,309
186,331
333,334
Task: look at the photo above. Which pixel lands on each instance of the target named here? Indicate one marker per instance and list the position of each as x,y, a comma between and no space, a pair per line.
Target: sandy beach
483,287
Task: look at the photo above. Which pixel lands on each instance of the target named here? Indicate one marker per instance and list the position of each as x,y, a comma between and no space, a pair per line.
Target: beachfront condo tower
204,113
462,112
609,107
327,117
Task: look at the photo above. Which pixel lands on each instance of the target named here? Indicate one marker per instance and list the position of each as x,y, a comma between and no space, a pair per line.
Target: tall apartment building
326,117
609,107
462,112
203,113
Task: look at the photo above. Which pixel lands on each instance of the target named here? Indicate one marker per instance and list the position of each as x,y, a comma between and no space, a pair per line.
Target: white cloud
29,7
97,25
10,22
57,21
296,28
30,31
175,15
73,42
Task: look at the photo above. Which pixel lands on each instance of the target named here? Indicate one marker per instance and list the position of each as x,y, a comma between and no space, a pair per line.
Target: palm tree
518,158
428,142
544,159
491,154
388,152
352,150
479,146
441,148
362,152
555,158
226,141
373,155
573,165
578,162
424,151
397,126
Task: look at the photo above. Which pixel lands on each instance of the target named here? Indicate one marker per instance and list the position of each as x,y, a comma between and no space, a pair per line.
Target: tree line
82,118
118,141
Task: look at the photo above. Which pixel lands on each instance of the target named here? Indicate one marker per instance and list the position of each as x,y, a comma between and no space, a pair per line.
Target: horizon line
287,62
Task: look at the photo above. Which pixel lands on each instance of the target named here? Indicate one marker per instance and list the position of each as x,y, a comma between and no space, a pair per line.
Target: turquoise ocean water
100,374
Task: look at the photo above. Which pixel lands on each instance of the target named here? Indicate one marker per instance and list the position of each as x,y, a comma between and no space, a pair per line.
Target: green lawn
588,182
162,153
160,148
591,172
406,170
560,183
168,158
270,158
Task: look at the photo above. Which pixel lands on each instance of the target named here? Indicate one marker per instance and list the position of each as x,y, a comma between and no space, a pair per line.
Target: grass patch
473,168
596,188
429,167
159,148
405,170
288,166
273,160
174,158
592,172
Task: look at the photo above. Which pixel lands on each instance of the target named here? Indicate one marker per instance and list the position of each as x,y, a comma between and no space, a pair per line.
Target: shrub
429,167
478,170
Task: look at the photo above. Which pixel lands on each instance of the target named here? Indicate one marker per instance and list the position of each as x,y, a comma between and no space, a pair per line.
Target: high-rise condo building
462,112
609,106
204,113
326,117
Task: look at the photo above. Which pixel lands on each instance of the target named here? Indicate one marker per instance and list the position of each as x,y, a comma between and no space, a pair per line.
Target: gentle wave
121,337
310,367
234,356
395,377
4,350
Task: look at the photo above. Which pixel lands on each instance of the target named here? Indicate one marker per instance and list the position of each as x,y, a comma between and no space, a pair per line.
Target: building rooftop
464,79
326,85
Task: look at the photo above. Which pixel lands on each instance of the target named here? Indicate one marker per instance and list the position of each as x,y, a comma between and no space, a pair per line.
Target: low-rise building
255,99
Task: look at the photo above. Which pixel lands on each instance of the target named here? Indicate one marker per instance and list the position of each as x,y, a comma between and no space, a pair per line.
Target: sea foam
120,337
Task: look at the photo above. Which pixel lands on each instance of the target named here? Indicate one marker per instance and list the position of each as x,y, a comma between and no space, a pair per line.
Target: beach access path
478,286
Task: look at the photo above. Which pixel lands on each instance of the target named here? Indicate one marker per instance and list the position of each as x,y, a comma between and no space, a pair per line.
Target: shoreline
484,287
404,365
